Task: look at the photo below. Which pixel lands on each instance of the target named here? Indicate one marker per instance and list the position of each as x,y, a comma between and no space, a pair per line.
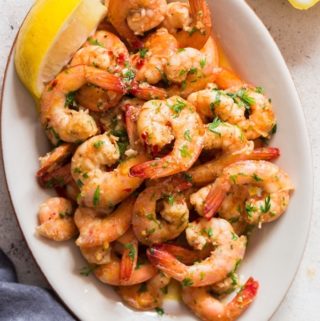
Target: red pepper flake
127,190
140,63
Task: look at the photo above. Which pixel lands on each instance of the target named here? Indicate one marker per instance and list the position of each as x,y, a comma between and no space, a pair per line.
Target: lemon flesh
51,33
303,4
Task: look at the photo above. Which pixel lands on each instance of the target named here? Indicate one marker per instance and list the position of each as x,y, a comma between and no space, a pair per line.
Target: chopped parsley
184,85
171,199
98,144
187,282
94,42
267,205
203,62
64,214
129,75
70,99
193,70
187,135
178,106
257,178
160,311
234,236
215,123
132,250
87,270
79,183
207,231
249,209
96,196
233,178
187,177
143,52
274,129
184,151
259,90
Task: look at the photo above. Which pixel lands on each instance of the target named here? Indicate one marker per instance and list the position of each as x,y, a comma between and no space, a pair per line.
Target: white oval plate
274,253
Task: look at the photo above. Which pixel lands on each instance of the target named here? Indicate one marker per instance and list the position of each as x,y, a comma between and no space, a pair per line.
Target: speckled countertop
297,34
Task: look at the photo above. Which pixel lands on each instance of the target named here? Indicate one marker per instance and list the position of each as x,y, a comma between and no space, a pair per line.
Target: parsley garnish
143,52
184,151
70,99
132,250
257,178
249,209
96,196
187,177
95,42
203,62
98,144
274,129
187,282
87,270
187,135
215,123
171,199
267,205
259,90
160,311
178,106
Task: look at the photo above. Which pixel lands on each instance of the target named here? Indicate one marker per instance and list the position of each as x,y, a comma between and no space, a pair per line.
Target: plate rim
310,166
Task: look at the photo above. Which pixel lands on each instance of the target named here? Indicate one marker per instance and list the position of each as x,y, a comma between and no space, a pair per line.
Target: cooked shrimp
206,173
233,208
233,105
129,255
190,25
185,61
116,49
132,109
192,75
54,170
110,273
103,189
229,138
95,56
106,51
151,60
159,123
97,230
55,219
208,308
145,296
275,183
175,213
97,255
135,17
229,250
62,123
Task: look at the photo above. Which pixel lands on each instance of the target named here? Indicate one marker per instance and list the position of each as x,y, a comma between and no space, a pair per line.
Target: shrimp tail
243,299
184,255
215,198
128,261
165,261
151,169
108,81
225,78
265,153
148,92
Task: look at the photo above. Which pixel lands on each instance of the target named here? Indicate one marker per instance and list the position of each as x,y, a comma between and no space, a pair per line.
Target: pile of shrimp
160,159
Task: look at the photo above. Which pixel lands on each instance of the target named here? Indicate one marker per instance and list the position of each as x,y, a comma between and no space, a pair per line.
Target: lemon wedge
303,4
51,33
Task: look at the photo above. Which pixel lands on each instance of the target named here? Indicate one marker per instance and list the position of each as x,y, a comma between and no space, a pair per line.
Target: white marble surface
298,35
